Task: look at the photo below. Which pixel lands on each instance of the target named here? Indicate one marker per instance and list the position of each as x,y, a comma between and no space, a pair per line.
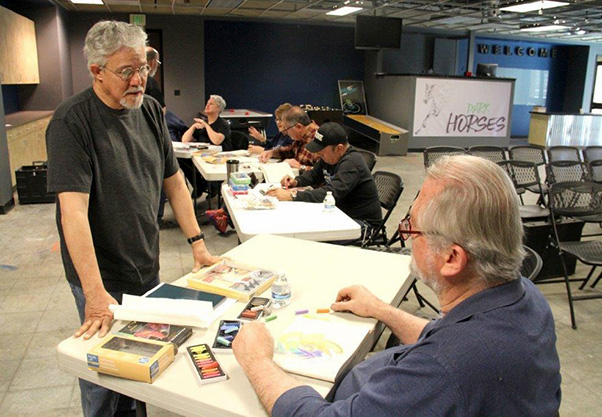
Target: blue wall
10,97
262,65
557,67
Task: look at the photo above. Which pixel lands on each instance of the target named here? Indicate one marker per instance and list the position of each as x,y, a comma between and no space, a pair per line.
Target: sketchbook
273,173
318,347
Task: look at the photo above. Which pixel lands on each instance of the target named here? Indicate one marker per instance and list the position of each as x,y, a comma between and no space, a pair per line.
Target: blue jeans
98,401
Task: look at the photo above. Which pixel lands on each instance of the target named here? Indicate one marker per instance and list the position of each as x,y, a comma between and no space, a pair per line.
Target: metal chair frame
566,171
369,157
492,153
580,200
564,153
389,186
532,264
525,175
592,153
432,153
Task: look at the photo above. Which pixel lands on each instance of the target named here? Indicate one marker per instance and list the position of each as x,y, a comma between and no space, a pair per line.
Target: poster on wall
353,99
451,107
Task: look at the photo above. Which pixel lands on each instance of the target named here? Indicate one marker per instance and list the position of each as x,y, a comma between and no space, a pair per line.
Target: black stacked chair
525,176
530,153
389,187
583,201
592,153
566,171
564,153
594,168
493,153
239,140
432,153
369,157
532,264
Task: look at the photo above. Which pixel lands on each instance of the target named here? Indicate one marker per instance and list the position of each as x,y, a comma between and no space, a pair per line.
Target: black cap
328,134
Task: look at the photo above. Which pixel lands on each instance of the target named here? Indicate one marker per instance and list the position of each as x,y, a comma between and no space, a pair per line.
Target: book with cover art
176,292
232,279
157,331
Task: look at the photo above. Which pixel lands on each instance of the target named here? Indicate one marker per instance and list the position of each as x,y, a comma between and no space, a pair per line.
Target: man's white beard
131,105
427,277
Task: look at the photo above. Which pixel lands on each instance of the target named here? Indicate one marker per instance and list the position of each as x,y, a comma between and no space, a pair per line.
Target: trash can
31,183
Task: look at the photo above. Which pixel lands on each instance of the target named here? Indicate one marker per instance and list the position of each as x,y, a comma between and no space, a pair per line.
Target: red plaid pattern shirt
297,149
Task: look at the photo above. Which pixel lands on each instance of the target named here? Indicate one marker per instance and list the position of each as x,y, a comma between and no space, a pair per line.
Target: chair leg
568,291
418,296
596,281
587,278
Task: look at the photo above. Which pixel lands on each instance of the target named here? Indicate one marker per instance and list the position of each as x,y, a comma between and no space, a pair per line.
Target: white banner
454,107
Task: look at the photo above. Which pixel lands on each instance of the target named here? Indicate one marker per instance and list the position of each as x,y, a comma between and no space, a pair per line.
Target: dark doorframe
597,105
155,39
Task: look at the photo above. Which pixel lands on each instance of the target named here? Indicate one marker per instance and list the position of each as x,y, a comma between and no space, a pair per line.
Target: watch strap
200,236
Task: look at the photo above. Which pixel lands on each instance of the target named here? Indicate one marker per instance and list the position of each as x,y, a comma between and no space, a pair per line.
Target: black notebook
182,293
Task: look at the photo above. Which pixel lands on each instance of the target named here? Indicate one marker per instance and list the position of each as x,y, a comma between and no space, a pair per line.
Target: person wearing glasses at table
152,86
491,353
109,153
297,124
281,139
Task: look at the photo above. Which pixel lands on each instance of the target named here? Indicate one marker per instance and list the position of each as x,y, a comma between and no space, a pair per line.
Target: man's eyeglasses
405,229
287,128
128,72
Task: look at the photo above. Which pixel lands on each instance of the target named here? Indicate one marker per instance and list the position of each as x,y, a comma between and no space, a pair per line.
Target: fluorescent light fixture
533,6
544,28
344,11
87,2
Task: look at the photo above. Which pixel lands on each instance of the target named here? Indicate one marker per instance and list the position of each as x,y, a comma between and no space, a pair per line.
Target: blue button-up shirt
492,355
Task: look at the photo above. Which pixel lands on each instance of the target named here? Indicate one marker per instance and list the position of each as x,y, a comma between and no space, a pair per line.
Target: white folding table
316,272
290,218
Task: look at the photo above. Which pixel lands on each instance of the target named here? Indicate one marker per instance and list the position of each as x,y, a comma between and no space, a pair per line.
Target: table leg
194,192
140,408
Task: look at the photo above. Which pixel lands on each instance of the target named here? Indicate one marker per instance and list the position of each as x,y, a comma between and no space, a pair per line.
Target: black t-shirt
119,158
153,90
220,126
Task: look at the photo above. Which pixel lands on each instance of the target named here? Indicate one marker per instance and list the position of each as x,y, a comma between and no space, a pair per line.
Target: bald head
152,57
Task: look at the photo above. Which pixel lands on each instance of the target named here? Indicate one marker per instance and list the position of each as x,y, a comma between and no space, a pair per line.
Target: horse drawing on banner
433,98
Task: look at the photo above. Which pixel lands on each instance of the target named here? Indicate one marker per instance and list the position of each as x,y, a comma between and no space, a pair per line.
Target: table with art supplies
257,213
315,344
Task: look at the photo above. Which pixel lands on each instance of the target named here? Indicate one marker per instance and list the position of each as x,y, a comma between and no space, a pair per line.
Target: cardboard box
132,358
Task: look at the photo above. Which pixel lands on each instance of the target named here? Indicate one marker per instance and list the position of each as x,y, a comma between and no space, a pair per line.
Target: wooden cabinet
18,50
27,143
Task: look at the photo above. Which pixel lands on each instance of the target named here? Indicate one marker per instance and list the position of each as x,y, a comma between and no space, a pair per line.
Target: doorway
597,95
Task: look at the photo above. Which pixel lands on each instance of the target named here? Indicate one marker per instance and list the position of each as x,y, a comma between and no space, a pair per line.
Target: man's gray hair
221,103
296,115
478,210
109,36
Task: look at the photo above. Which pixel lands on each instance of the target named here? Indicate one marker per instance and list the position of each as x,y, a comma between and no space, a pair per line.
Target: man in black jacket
342,170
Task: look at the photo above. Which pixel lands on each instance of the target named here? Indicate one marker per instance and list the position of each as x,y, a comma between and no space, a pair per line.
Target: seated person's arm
360,301
215,137
255,134
188,136
255,149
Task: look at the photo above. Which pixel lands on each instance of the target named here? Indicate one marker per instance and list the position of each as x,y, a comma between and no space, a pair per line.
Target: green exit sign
138,19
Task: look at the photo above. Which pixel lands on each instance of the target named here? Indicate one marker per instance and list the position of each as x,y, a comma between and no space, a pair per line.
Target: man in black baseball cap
342,170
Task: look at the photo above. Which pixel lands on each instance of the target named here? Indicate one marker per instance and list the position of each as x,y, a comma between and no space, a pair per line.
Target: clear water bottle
281,292
329,202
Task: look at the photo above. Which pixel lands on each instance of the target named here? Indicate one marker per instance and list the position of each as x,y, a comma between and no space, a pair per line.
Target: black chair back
564,153
530,153
432,153
592,153
594,168
532,264
239,140
566,171
389,186
369,157
493,153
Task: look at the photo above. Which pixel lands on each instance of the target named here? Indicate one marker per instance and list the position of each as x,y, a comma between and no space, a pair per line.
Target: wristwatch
302,168
293,194
200,236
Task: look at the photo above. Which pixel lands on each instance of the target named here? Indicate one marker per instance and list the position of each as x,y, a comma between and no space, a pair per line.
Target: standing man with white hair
214,130
493,351
109,153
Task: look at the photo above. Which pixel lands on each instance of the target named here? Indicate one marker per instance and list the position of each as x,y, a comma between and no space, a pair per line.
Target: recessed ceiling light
543,28
87,2
343,11
532,6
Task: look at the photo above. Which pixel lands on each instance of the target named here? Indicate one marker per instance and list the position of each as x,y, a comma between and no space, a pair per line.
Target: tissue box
131,358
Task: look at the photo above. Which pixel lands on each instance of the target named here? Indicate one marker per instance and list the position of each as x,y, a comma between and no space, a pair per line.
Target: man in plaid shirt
298,125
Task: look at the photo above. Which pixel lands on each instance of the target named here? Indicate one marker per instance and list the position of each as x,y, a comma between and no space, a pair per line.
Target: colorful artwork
308,346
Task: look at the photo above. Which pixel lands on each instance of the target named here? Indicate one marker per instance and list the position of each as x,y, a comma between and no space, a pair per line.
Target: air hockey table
242,119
